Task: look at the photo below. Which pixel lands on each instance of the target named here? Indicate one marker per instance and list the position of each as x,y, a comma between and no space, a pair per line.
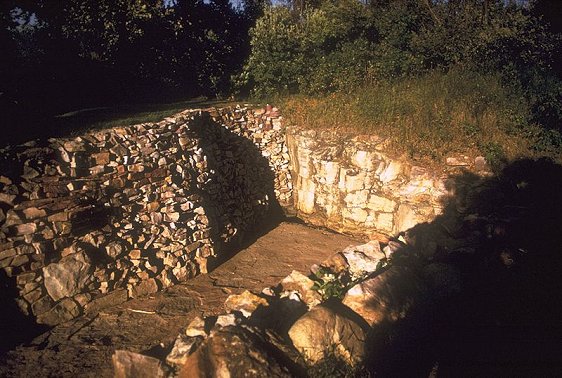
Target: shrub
275,63
330,284
324,49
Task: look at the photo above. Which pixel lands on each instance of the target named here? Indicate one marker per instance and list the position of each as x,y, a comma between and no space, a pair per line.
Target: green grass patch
81,120
434,116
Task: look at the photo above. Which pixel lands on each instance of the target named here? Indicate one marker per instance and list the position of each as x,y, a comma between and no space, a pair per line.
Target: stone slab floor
84,347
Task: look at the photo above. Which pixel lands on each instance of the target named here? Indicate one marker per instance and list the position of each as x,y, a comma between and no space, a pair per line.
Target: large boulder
239,351
323,331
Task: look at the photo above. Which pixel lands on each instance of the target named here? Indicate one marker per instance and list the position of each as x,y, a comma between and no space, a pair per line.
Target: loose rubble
282,332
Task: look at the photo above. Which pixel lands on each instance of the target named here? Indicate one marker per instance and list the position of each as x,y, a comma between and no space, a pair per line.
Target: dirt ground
83,347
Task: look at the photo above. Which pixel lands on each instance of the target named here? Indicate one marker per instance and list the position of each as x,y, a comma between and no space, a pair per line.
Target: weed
330,284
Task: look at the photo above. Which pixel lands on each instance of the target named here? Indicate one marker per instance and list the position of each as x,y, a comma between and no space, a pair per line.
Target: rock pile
94,220
287,328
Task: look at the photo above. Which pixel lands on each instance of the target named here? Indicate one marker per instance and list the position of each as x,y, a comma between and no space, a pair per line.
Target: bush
323,50
275,63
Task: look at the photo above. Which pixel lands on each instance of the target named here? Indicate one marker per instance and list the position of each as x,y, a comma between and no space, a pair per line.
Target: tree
90,52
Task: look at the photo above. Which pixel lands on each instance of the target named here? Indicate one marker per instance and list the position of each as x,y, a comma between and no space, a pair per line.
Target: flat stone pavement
83,347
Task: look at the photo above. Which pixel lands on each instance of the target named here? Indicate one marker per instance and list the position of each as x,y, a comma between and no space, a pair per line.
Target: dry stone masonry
114,214
109,215
352,184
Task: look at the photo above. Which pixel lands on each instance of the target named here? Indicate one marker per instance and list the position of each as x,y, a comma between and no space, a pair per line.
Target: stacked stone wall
114,214
109,215
352,184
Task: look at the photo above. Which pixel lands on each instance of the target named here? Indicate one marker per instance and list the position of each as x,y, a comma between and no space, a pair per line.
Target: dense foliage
339,45
321,50
60,55
399,38
63,55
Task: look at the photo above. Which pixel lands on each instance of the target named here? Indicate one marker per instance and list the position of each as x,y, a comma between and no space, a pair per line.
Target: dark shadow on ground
506,322
15,327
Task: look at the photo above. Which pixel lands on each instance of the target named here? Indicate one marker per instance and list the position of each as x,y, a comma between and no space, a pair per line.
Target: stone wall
109,215
352,184
114,214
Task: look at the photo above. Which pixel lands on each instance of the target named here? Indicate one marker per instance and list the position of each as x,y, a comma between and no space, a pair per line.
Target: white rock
183,346
226,320
406,218
365,160
385,222
330,171
383,204
301,284
354,181
306,197
196,328
357,198
322,331
246,303
363,259
391,172
357,215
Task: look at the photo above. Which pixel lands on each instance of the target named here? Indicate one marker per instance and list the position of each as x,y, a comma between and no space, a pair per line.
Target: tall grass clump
431,116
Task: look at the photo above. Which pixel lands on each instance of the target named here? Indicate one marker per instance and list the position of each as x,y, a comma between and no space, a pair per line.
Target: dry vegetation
431,117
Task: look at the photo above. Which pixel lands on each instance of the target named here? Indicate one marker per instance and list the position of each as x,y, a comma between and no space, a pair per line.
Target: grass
101,118
78,121
432,117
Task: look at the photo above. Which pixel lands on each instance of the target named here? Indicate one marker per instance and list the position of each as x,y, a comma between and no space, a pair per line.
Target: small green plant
330,284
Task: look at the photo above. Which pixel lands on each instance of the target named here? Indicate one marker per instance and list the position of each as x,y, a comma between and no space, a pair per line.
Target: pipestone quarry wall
351,184
114,214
